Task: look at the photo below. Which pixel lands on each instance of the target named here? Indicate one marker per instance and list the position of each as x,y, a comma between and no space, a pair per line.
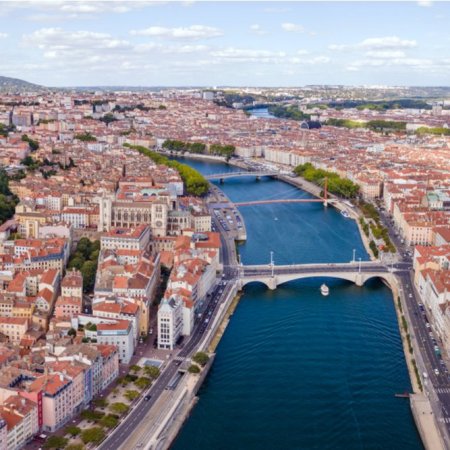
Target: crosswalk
443,390
444,419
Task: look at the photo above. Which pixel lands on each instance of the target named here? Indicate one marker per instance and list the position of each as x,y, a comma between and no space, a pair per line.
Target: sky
228,43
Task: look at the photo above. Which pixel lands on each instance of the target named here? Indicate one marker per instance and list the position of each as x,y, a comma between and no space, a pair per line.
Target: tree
131,395
88,414
135,368
76,263
56,442
118,408
152,371
92,435
72,430
88,270
109,421
201,358
195,183
143,382
34,145
193,368
100,402
85,137
72,332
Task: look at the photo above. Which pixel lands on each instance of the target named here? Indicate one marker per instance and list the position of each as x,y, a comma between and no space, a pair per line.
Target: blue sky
67,43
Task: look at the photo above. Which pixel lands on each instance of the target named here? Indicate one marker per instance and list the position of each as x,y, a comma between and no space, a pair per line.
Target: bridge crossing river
294,369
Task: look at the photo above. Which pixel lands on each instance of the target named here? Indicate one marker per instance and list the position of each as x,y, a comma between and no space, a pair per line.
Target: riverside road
135,417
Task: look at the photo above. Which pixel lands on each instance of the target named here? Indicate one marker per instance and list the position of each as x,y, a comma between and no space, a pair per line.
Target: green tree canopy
118,408
201,358
56,442
193,368
92,435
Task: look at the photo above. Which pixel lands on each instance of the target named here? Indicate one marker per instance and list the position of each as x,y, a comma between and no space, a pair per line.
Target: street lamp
359,270
354,254
271,260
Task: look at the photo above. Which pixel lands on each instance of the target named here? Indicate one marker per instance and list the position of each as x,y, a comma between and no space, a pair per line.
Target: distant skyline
140,43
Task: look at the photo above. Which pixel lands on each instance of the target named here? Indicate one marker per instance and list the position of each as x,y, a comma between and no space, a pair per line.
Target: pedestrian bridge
272,275
257,174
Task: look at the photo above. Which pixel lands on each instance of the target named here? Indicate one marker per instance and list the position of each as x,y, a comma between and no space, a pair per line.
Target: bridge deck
242,174
284,200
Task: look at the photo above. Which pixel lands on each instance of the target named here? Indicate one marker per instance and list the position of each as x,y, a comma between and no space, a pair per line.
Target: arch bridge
273,275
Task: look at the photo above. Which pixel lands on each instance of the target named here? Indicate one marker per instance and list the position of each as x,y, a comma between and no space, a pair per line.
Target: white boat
324,290
276,218
345,214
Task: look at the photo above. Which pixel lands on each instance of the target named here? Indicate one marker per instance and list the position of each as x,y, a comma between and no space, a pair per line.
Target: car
410,296
151,331
147,397
428,325
436,371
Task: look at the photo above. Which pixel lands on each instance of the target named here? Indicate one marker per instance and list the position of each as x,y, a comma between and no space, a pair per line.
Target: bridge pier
272,283
359,280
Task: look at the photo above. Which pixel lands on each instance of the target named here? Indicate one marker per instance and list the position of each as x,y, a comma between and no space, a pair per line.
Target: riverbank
187,399
234,188
419,403
198,156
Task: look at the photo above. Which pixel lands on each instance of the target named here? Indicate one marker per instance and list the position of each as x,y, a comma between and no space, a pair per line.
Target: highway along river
294,369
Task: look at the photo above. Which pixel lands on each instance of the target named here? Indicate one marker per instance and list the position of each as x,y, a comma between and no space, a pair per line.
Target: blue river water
294,369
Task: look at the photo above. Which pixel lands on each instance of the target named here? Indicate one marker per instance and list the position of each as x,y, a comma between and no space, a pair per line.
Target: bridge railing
310,266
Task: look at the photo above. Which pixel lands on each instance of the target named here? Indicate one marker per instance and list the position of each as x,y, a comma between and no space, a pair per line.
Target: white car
436,371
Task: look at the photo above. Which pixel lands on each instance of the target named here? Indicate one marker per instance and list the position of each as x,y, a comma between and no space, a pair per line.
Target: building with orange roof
57,399
21,416
108,331
118,308
72,285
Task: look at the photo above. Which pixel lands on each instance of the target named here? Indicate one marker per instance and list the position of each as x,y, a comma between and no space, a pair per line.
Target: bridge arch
354,277
246,282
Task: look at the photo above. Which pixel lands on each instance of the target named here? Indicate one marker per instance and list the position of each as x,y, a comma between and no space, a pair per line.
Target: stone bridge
257,174
273,275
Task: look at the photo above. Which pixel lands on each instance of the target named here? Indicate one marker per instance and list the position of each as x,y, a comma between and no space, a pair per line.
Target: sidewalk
425,422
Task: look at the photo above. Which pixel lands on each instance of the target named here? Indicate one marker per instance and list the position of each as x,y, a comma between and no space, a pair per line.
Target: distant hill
8,84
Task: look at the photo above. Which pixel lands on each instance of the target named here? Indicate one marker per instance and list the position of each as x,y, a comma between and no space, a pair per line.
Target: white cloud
412,63
379,43
192,32
425,3
310,61
302,52
387,42
292,27
386,54
3,35
56,39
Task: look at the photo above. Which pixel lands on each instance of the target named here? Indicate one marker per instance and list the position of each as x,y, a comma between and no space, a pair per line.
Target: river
294,369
